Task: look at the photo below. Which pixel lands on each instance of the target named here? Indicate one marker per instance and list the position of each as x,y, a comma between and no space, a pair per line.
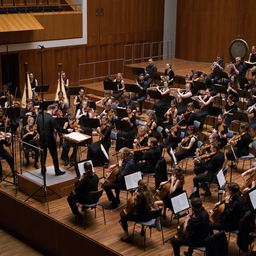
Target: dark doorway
10,72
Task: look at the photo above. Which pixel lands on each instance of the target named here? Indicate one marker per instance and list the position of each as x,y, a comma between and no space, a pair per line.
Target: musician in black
127,102
33,82
251,62
232,212
233,87
106,99
170,114
189,116
168,73
221,130
241,142
125,166
142,95
252,122
46,130
120,86
29,135
4,93
183,95
65,82
63,106
28,111
151,69
228,112
88,182
139,209
197,227
36,100
151,156
213,162
79,98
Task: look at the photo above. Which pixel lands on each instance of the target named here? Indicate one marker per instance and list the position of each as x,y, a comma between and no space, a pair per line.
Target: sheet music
131,181
173,156
221,179
77,136
104,151
180,202
81,166
252,196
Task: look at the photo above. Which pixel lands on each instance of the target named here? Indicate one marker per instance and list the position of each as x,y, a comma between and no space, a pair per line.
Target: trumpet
215,64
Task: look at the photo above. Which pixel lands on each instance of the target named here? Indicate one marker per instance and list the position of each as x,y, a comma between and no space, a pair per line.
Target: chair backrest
159,129
196,123
94,196
182,135
199,144
230,134
113,135
154,214
254,145
217,244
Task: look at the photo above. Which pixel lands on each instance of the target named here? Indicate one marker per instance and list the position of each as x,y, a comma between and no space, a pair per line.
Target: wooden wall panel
206,28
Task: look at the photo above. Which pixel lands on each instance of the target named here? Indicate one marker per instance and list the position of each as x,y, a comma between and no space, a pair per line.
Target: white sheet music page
180,202
77,136
252,196
131,181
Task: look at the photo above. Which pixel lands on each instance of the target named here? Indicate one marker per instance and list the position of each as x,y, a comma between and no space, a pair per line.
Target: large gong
238,48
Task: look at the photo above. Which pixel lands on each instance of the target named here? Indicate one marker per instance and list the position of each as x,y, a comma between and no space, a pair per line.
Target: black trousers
26,152
130,217
117,186
53,152
201,178
65,151
9,159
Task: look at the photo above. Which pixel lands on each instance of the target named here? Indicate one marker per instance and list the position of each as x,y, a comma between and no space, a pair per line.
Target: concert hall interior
127,107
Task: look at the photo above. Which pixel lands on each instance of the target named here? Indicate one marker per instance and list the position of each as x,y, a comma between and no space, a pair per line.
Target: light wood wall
206,28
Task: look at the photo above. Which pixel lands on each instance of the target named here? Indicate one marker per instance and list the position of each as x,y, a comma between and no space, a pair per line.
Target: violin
141,149
207,155
183,116
140,139
185,140
200,150
174,129
237,138
59,113
74,126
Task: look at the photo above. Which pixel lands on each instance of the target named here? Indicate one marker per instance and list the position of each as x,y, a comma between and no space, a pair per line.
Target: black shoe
206,194
59,173
111,206
66,163
126,240
187,254
79,216
140,113
36,166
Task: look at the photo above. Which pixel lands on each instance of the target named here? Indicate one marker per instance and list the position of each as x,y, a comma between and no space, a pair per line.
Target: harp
61,86
27,92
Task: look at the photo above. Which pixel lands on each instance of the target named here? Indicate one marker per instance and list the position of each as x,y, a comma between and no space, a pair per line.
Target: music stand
61,121
179,80
214,111
42,88
120,112
221,182
195,102
199,85
242,80
137,71
46,103
110,85
91,104
122,125
240,116
74,90
168,98
90,122
156,95
132,88
157,135
252,197
221,74
220,90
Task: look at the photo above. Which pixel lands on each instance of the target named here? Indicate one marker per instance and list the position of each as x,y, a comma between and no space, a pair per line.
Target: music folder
132,88
42,88
109,85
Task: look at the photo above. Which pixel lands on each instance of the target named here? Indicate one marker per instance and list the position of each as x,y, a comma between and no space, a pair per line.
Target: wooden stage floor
109,235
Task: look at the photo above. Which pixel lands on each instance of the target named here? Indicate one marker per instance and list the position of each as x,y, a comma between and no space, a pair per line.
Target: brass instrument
214,65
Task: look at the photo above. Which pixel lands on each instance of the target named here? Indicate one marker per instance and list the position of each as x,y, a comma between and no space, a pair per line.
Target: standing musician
84,111
79,98
94,150
189,116
140,142
228,110
63,106
88,182
213,162
33,82
232,211
187,93
127,102
206,101
174,136
106,99
221,130
251,62
197,227
170,114
46,130
152,123
206,149
172,187
120,87
5,140
71,125
142,95
168,73
241,141
151,156
29,110
29,134
188,145
139,209
124,167
4,93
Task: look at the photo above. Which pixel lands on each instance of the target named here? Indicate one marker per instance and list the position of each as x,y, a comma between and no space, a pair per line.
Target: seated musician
125,166
228,112
127,102
72,126
206,101
94,150
188,145
233,87
30,134
189,116
217,66
206,149
251,87
140,142
108,111
251,62
142,95
173,136
183,95
241,142
33,82
139,210
36,100
128,136
88,182
152,123
5,140
151,156
106,99
222,130
170,114
79,98
251,182
28,111
161,106
197,227
63,106
175,185
232,211
3,120
213,162
252,122
10,101
4,93
120,86
84,111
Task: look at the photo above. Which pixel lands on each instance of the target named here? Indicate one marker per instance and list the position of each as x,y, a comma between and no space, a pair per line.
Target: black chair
149,223
160,172
93,196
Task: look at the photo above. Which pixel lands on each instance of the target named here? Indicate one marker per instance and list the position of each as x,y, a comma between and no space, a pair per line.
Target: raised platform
57,186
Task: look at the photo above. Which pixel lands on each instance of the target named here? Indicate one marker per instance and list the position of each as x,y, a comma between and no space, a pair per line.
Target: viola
174,129
141,149
74,126
235,139
207,155
185,140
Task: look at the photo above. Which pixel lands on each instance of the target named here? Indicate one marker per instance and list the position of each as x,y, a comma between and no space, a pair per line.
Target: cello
112,175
